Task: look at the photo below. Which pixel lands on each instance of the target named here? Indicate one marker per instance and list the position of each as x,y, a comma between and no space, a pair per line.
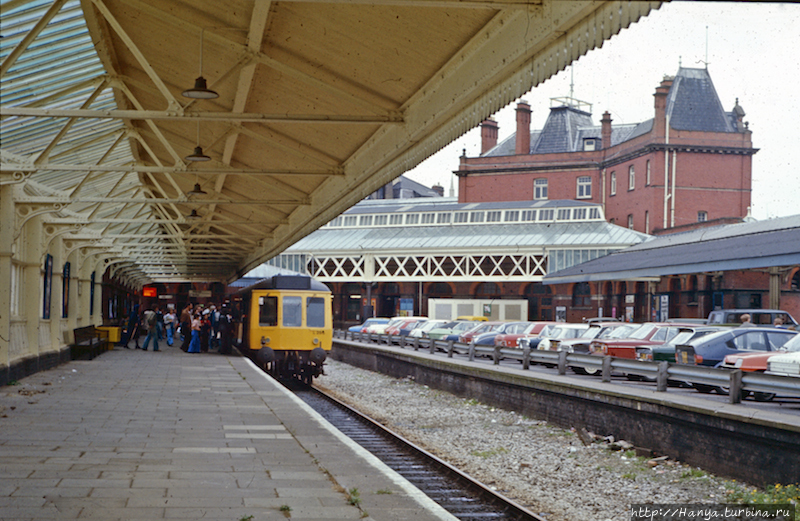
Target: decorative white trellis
429,268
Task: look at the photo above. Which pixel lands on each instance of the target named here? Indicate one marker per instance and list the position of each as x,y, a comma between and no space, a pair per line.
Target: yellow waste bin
114,333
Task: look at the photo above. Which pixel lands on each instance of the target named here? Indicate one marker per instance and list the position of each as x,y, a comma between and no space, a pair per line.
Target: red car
511,339
648,334
484,327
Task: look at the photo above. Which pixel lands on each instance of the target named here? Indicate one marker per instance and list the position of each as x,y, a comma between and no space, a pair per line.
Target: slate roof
692,104
759,244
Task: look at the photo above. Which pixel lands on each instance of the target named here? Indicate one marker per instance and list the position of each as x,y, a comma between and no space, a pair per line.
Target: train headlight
264,340
316,341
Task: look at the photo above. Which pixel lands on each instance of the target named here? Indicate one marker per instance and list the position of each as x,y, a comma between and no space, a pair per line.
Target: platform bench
88,342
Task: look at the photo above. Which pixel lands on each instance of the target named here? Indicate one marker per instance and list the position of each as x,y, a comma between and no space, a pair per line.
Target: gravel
543,467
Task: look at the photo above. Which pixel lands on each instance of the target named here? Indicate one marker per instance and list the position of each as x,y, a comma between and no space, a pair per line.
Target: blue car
369,322
711,350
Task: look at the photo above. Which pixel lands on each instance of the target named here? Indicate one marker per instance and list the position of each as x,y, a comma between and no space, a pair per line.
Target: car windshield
449,325
592,332
546,332
431,324
570,332
683,337
618,332
709,338
642,332
463,326
793,345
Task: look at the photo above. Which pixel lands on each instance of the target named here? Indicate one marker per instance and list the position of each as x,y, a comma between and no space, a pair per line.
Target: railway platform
143,435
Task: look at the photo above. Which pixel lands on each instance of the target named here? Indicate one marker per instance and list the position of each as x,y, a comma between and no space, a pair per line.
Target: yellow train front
287,325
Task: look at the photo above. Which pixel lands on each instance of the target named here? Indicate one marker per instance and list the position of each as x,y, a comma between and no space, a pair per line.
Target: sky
752,51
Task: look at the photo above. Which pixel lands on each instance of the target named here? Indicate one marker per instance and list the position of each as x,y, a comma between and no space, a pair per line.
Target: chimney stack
488,135
605,135
523,142
659,123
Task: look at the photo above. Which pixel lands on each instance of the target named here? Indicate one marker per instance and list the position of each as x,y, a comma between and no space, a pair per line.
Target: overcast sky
752,55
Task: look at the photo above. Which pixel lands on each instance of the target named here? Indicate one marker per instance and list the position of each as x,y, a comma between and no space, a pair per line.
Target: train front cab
290,332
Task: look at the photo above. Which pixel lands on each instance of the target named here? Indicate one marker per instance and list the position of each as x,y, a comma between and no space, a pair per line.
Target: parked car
712,349
361,328
666,351
597,330
561,332
758,362
512,339
759,317
488,338
650,333
422,328
451,330
483,327
403,327
787,364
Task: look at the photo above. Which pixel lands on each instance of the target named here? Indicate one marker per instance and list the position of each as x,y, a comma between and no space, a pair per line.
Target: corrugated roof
759,244
468,237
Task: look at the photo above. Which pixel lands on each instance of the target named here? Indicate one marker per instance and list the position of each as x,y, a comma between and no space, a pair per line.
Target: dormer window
589,144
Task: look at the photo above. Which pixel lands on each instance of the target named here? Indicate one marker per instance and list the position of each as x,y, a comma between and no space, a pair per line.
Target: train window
268,311
315,312
292,311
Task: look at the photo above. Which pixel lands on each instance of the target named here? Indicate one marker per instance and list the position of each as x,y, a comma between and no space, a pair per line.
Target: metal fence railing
735,382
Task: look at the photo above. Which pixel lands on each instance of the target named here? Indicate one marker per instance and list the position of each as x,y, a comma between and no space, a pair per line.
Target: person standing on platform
132,331
186,326
225,325
151,325
169,326
194,345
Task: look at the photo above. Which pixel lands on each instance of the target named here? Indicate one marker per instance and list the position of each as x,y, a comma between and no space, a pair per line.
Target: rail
735,381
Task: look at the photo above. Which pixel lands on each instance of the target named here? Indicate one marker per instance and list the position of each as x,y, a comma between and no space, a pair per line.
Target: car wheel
703,388
763,397
581,370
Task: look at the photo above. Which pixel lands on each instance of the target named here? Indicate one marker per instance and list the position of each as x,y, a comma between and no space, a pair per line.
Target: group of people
201,328
206,328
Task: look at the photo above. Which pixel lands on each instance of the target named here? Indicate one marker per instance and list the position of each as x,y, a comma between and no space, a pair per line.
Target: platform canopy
320,102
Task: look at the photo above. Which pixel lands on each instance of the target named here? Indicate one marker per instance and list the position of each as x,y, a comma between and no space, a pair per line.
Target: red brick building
690,163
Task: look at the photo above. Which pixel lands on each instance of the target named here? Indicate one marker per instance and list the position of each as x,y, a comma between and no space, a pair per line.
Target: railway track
459,494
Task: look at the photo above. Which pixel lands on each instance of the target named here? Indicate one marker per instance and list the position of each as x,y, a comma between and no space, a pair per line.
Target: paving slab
150,435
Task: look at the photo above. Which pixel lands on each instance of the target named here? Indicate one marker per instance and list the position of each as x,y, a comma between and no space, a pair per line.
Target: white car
380,329
784,365
561,332
421,331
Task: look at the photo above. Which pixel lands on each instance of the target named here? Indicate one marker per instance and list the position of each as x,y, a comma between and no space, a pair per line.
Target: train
286,325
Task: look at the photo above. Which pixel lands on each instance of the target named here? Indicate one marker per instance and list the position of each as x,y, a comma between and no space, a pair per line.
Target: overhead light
193,216
196,190
200,90
197,155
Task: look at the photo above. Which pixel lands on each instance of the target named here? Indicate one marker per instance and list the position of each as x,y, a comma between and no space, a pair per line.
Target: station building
691,162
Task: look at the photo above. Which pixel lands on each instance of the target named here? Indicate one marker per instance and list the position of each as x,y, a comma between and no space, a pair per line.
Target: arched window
440,289
581,295
487,289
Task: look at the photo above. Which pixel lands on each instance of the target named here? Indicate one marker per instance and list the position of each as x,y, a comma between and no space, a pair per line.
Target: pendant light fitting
198,154
200,89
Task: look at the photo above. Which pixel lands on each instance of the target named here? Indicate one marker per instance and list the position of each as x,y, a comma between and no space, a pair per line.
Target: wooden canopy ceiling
321,102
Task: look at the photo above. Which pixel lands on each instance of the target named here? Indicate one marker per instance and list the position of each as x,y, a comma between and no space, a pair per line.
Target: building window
412,218
461,217
476,217
579,214
613,190
396,219
582,295
630,221
540,188
589,144
336,222
631,178
493,217
529,215
380,220
647,174
584,187
443,218
512,215
350,220
428,218
702,216
646,221
365,220
545,215
564,213
594,213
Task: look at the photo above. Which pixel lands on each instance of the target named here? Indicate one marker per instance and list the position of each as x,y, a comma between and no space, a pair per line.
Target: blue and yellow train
287,325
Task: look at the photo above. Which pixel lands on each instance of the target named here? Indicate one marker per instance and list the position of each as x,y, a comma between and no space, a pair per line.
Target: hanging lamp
200,89
198,154
193,216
